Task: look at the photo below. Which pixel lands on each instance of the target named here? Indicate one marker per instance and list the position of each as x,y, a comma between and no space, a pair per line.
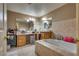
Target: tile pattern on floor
28,50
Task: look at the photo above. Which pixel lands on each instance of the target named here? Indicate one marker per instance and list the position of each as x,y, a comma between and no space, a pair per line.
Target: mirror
47,24
24,25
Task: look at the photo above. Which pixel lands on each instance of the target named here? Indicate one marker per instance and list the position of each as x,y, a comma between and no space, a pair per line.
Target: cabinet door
42,36
21,40
45,35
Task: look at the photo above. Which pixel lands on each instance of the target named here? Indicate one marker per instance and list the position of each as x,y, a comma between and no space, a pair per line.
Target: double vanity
30,38
18,39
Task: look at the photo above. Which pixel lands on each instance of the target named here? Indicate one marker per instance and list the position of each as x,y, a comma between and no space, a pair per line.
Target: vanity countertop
29,33
26,33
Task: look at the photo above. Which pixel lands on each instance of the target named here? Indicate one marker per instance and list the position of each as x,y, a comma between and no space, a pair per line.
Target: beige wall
65,12
12,16
65,27
64,20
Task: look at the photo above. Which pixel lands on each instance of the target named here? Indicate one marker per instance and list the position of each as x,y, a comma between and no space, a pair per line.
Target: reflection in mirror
24,25
47,24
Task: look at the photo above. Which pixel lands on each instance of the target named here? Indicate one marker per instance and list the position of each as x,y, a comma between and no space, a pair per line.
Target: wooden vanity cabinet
46,35
21,40
25,39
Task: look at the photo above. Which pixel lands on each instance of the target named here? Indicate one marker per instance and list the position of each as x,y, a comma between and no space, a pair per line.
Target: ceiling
34,9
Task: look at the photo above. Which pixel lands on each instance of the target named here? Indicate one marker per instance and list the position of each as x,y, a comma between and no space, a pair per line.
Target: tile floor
28,50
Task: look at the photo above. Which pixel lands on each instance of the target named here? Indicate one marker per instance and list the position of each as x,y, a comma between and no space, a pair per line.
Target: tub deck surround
46,49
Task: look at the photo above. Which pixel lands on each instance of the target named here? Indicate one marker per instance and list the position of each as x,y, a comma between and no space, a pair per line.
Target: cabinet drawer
21,40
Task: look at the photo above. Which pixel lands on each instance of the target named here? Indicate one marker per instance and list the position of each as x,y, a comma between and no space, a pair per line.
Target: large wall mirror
24,25
47,24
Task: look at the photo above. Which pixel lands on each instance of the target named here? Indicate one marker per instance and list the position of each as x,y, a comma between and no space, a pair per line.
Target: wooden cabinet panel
46,35
21,40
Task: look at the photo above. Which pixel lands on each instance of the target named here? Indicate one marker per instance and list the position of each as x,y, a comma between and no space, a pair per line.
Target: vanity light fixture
46,21
50,18
32,19
28,20
44,18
